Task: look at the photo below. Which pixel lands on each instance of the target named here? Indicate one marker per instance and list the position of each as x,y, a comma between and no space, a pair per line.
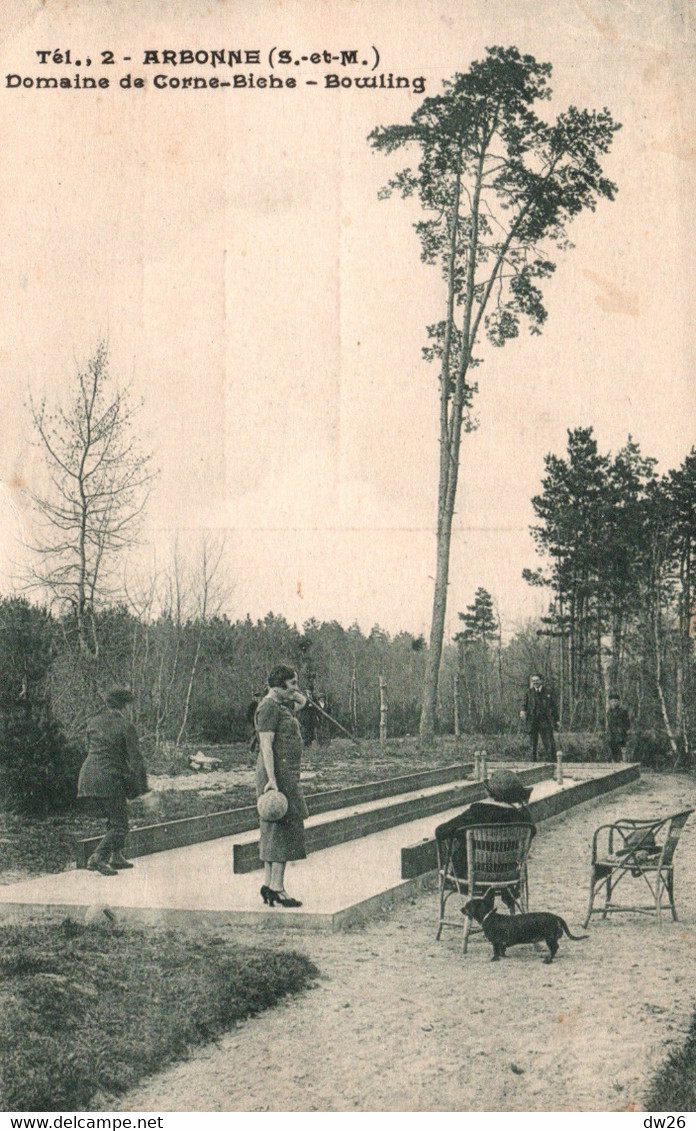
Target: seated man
510,797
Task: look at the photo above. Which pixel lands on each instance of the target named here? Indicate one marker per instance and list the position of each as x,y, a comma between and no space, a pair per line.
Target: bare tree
208,602
98,483
174,608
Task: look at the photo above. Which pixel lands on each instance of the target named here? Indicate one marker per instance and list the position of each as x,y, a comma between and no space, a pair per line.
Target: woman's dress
282,840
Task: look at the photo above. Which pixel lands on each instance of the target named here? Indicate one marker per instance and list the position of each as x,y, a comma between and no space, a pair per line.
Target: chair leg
664,883
670,892
511,901
443,900
607,896
524,897
467,932
591,902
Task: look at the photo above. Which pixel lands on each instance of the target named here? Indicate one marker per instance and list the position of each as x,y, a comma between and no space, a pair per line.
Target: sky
270,310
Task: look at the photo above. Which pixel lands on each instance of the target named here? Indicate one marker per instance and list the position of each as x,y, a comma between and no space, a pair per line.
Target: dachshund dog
510,930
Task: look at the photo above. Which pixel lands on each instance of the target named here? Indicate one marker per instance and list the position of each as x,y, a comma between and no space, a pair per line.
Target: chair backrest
497,853
631,838
674,831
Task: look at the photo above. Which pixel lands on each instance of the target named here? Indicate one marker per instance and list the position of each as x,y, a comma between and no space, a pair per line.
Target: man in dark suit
540,714
112,772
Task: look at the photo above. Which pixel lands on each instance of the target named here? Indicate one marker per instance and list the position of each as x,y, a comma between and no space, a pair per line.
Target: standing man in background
540,714
618,726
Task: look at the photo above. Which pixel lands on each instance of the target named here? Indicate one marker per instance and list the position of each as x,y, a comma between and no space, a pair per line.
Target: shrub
651,747
38,766
674,1086
27,640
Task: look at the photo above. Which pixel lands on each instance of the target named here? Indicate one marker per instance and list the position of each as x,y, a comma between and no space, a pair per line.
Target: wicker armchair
635,850
496,857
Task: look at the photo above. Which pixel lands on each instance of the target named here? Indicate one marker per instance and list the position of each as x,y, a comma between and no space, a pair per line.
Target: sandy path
399,1022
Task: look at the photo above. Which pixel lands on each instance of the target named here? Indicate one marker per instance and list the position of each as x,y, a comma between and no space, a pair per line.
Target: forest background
617,545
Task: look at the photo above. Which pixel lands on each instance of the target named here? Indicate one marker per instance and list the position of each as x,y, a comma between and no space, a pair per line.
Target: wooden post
382,710
354,700
559,767
456,706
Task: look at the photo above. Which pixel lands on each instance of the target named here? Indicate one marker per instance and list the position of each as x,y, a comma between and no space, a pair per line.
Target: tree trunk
452,405
486,681
500,669
684,654
353,703
382,710
561,666
658,680
189,687
451,418
437,632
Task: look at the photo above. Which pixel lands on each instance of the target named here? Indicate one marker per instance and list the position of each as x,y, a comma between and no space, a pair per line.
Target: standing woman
278,767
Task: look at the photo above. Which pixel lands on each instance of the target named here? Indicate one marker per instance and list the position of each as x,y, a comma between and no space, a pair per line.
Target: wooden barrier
229,822
245,857
416,859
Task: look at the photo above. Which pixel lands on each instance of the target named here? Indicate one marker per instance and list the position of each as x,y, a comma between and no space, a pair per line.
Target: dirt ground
399,1022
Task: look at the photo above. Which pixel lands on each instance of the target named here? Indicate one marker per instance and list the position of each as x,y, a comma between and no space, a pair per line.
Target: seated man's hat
505,786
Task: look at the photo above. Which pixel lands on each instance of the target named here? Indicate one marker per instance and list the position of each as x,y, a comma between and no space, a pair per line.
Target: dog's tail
577,938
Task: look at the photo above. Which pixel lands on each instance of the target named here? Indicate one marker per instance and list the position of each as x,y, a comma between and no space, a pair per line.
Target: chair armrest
608,830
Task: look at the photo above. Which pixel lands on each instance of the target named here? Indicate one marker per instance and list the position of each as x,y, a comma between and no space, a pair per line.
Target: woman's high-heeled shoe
267,895
283,898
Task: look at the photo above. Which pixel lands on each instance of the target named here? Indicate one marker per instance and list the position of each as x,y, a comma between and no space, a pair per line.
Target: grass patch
30,845
674,1087
88,1011
170,805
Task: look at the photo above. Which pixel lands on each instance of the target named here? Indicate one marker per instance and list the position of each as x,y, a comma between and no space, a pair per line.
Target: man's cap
505,786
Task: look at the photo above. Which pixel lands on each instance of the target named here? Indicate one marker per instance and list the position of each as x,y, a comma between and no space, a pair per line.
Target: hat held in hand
272,805
505,786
